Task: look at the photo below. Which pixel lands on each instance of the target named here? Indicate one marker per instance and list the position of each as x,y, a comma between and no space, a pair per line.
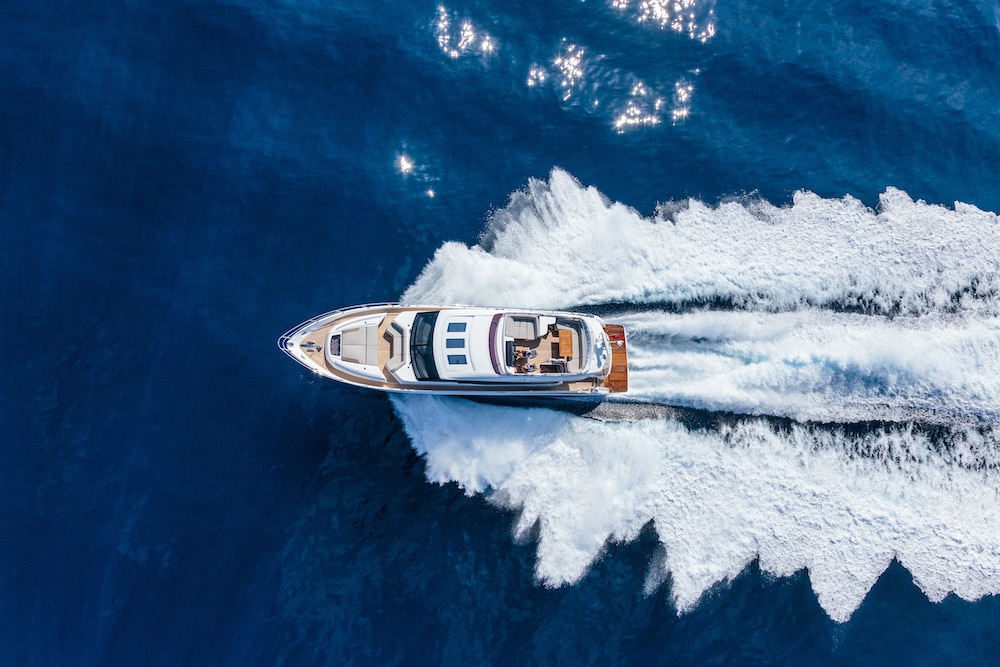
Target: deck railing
285,337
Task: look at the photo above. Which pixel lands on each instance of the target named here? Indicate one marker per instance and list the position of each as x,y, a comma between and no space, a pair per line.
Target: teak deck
617,381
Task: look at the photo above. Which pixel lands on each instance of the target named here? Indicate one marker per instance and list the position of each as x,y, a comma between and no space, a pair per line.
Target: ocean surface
790,205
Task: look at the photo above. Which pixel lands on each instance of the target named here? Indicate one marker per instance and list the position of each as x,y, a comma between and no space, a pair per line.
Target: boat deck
318,357
615,382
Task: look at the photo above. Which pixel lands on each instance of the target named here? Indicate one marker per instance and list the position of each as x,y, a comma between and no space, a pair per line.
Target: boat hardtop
463,350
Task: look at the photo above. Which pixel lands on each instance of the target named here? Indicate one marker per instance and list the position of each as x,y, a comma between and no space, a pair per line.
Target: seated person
520,361
521,364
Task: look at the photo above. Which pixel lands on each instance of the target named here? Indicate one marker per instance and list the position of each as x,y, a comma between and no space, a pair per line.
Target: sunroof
456,359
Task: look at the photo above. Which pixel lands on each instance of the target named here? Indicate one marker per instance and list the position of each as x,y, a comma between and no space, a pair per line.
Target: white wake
821,311
819,365
560,244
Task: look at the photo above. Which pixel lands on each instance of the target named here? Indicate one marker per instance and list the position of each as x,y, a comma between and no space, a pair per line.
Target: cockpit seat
397,350
359,345
521,327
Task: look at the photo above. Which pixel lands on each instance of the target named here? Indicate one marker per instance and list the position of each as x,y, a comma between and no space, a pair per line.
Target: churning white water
823,311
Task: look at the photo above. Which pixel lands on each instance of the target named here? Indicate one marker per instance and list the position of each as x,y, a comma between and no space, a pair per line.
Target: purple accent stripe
493,343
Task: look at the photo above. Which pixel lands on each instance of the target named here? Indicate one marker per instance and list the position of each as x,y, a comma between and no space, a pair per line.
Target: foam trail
559,244
818,365
798,499
833,312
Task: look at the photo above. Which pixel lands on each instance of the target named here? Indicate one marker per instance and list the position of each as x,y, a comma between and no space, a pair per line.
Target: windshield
422,348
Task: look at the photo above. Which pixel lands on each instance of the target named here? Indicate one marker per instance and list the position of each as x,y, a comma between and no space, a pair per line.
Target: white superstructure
463,350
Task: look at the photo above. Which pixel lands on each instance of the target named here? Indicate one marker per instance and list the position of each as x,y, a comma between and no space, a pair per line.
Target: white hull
463,351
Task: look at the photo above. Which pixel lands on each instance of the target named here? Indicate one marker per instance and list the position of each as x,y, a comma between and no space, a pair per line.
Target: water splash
559,244
829,311
841,506
819,365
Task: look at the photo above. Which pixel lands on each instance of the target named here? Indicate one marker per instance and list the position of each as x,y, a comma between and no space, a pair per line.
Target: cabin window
421,349
456,326
455,343
456,359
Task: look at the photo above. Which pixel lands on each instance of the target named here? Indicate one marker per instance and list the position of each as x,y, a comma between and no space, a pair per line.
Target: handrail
283,339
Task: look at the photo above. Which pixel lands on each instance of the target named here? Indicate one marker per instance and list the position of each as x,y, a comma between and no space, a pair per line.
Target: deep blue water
183,181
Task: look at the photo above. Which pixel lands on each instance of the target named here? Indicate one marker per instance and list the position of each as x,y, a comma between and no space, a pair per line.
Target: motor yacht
463,350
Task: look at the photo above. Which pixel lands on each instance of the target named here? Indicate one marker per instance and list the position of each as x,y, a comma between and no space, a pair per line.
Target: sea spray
822,310
827,500
818,365
559,244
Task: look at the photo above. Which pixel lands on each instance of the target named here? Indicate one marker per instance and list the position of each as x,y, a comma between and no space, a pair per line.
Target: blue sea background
181,182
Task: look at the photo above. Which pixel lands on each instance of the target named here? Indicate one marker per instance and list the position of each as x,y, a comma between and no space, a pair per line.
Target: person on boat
520,361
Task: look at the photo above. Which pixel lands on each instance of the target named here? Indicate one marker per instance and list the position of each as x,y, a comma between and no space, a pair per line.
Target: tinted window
456,326
421,350
455,342
456,358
